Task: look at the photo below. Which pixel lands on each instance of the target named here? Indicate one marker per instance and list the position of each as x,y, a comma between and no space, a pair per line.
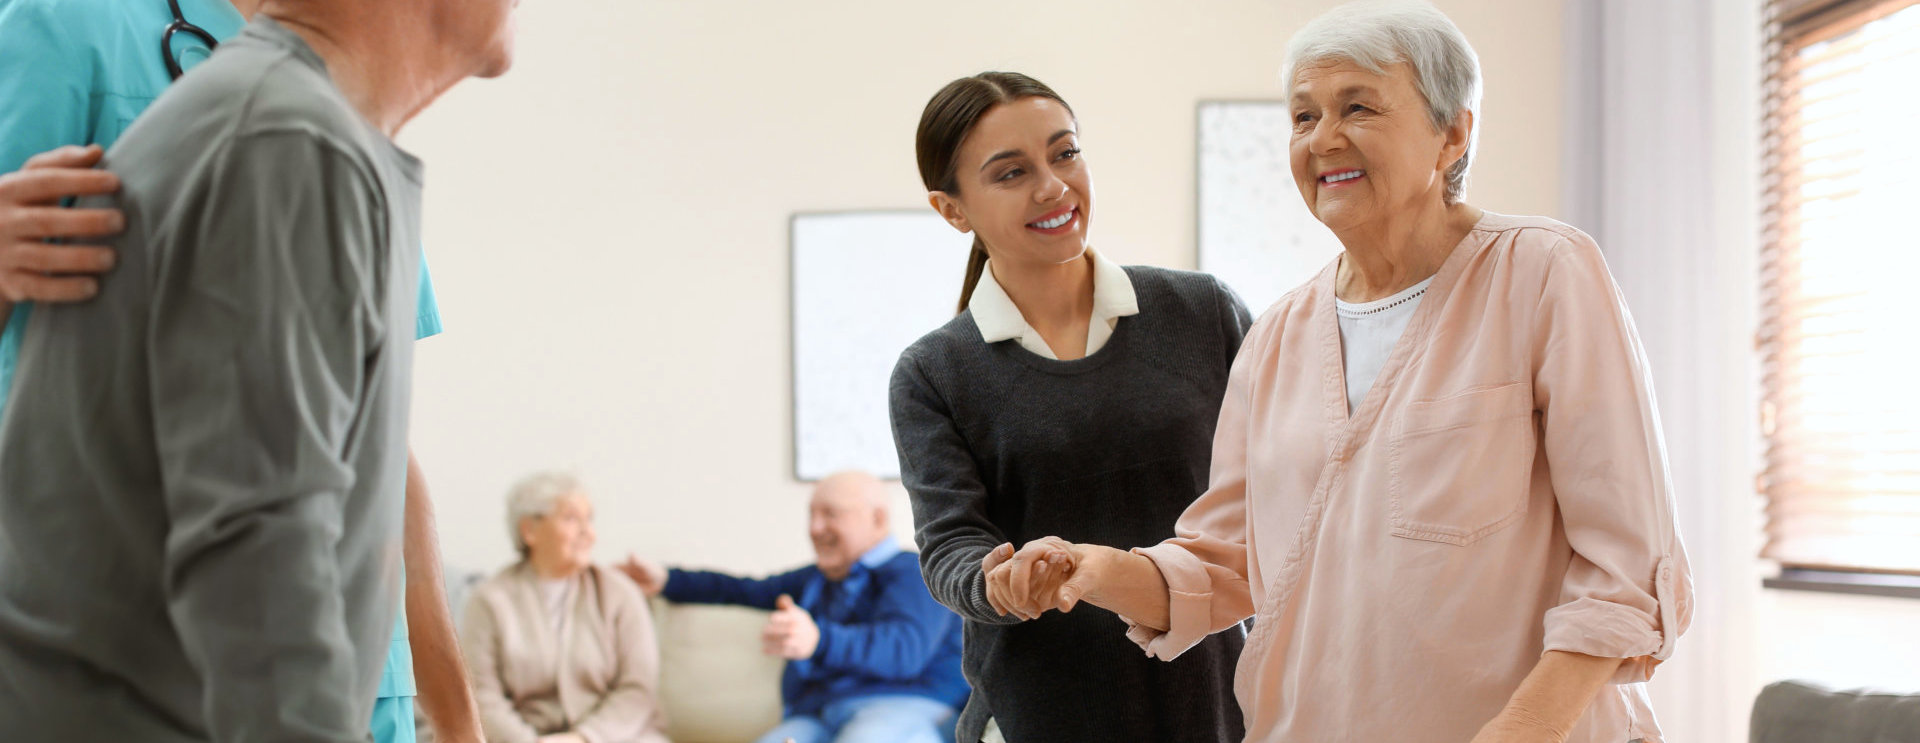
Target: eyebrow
1004,154
1345,93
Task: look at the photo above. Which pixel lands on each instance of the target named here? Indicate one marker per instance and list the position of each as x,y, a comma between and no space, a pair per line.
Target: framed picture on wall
865,286
1255,232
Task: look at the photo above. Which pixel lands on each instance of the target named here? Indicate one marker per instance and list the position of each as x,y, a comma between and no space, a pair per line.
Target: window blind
1839,338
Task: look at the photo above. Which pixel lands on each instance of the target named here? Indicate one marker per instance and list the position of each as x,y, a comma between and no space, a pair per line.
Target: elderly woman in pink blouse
1438,481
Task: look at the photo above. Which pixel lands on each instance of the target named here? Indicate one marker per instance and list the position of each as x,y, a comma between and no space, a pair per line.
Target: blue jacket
881,632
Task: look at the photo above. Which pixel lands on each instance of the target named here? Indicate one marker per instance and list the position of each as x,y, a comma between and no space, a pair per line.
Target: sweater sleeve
949,499
482,644
1234,319
631,706
897,641
703,587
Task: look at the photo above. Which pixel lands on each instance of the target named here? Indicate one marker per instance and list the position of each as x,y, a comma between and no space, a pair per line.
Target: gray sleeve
949,500
263,317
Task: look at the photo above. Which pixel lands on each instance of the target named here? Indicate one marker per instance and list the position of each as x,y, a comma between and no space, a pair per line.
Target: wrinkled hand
32,269
1512,727
651,576
790,633
1048,573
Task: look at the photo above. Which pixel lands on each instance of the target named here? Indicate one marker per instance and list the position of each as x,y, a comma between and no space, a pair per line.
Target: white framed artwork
1255,232
865,286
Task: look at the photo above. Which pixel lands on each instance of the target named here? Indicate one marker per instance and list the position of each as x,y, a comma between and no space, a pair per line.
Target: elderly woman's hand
1517,727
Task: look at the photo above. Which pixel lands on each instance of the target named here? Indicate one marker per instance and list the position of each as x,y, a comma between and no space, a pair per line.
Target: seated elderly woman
561,650
1438,481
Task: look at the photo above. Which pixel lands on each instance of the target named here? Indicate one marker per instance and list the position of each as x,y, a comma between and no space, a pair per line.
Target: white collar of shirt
999,318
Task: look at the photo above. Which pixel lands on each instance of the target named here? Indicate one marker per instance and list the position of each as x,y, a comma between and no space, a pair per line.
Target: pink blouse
1502,491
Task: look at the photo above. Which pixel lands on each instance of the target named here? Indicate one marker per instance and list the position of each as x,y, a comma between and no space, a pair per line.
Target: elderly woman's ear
528,534
1459,136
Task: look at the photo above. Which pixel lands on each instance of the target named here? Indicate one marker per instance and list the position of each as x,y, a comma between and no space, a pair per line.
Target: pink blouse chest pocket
1461,465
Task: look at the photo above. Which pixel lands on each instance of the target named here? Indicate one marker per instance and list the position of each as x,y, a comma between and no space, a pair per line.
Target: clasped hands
1047,573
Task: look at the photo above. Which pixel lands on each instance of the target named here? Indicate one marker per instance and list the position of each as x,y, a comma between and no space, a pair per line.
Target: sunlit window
1840,333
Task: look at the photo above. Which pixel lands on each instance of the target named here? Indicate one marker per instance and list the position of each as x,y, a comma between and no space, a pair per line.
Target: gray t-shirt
202,469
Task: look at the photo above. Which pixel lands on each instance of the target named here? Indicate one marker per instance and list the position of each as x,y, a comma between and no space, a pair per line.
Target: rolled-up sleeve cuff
1605,629
1189,603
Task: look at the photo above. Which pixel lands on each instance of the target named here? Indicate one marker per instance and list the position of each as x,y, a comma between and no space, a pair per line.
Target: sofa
1799,712
715,683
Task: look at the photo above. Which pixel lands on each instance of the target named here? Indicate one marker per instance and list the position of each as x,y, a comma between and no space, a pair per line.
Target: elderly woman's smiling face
560,543
1364,146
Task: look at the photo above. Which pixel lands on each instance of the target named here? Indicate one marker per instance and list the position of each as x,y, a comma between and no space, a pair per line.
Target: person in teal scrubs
79,73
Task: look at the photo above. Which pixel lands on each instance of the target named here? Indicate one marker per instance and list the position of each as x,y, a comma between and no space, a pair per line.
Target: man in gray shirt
200,469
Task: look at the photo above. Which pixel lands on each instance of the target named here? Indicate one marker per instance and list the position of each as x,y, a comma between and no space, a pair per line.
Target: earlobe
949,210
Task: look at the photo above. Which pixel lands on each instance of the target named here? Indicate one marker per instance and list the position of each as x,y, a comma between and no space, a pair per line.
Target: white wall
1842,641
608,224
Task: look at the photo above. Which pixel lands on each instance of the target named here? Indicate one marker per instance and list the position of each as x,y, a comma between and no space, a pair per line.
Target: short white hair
535,496
1376,33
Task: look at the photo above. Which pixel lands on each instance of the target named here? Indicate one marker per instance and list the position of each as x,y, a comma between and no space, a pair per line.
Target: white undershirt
556,591
1368,332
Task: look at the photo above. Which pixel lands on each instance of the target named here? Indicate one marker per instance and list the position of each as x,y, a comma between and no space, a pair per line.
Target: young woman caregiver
1071,396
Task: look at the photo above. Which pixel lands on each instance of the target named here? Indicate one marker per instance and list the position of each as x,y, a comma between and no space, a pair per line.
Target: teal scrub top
79,72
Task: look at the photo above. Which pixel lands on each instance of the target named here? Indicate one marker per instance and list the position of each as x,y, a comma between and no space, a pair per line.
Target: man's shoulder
902,566
251,95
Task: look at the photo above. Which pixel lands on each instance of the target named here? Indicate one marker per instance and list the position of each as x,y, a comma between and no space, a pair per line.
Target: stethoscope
178,25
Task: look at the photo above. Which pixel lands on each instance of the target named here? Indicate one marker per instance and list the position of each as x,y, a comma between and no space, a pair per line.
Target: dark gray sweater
998,444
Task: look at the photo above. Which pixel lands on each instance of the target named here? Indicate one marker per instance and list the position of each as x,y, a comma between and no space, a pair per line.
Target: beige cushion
715,683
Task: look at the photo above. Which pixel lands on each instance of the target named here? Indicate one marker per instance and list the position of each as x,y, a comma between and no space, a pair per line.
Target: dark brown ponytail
944,125
976,265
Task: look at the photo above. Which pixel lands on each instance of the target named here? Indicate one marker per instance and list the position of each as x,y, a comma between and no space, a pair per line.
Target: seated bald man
871,657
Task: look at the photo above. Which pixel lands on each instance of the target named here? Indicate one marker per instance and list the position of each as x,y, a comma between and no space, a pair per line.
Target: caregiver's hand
32,269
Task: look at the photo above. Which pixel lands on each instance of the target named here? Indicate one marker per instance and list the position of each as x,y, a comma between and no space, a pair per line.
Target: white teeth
1055,222
1347,176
